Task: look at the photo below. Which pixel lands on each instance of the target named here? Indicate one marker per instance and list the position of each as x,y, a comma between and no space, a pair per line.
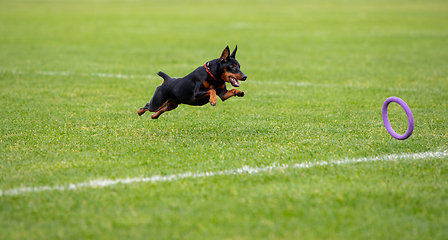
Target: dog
198,88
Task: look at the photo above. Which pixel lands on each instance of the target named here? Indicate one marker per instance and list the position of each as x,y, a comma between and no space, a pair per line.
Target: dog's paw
240,94
213,101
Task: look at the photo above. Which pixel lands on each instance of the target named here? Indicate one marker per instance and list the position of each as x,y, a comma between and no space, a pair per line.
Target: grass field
74,73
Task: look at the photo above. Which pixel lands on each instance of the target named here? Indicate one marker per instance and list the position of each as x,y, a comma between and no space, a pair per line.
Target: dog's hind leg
157,101
141,111
167,106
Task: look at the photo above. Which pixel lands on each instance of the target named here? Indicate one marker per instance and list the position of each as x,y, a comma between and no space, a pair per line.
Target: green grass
318,72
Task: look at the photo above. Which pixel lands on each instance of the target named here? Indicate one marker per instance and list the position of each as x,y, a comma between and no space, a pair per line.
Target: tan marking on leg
167,106
206,84
213,97
141,111
229,94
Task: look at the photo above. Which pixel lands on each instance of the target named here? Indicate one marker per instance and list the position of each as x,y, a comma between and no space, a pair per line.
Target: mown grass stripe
252,81
243,170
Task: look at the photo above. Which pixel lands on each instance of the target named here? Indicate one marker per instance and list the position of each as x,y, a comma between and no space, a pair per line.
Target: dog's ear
234,52
225,54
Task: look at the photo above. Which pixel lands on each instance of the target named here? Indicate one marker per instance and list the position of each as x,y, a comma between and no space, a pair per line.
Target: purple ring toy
386,119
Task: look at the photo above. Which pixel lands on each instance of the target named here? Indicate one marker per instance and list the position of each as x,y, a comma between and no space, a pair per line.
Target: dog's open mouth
234,82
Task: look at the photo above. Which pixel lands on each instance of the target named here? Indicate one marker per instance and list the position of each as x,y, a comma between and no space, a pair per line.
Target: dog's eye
233,67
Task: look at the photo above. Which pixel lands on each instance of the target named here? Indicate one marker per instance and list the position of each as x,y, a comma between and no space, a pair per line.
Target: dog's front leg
213,97
199,93
224,95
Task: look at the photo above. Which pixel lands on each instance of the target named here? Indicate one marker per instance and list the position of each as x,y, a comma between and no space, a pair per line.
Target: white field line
68,73
99,183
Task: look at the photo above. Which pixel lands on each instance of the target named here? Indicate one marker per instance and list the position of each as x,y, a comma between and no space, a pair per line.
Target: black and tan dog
198,88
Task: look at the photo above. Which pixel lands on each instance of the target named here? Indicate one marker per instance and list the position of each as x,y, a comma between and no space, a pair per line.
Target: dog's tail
164,76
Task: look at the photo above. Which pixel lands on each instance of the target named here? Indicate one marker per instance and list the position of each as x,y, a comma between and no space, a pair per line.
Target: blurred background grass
318,74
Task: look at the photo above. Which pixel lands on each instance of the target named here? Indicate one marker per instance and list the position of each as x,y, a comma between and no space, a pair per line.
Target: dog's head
230,68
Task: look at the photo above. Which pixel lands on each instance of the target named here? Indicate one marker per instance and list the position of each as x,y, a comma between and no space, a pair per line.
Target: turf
74,73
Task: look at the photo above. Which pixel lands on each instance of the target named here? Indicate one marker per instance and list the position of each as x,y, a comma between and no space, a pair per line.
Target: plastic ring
408,113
